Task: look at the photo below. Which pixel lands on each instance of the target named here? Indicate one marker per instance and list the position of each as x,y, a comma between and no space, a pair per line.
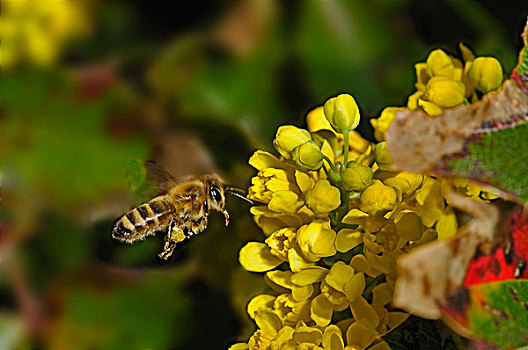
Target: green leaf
498,158
498,312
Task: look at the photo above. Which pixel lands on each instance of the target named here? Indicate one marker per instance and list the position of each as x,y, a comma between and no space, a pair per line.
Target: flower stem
345,134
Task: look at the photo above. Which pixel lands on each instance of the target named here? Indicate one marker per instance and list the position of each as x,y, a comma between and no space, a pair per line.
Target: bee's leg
174,236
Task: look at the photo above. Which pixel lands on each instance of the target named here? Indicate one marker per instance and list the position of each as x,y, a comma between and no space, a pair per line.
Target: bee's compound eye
215,194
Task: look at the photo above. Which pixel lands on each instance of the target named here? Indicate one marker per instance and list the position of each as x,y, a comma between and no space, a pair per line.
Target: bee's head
216,196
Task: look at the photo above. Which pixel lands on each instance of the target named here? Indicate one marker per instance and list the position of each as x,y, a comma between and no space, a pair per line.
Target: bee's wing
159,176
147,180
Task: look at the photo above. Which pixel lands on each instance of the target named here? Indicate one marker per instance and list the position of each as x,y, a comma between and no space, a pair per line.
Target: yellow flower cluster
444,82
335,220
36,31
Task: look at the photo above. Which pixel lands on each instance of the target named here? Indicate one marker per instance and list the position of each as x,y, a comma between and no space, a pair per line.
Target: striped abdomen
144,220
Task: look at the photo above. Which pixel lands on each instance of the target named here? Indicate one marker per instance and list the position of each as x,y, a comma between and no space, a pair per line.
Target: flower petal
360,336
309,275
306,334
364,313
282,278
321,310
268,320
333,338
257,257
347,239
260,301
355,286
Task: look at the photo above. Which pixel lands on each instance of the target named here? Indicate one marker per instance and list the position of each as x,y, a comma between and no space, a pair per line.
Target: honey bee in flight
182,209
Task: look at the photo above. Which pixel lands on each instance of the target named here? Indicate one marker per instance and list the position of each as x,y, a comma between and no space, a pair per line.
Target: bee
181,210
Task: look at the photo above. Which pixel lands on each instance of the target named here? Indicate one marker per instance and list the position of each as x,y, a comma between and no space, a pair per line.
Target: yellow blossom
37,31
356,177
316,240
377,198
288,137
342,112
486,74
308,156
322,198
291,311
281,241
382,124
445,93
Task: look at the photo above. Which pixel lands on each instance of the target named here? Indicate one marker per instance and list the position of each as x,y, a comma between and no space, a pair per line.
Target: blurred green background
90,88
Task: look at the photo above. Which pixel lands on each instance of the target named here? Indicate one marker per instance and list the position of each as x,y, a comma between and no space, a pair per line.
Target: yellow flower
445,93
486,74
322,198
308,156
356,177
316,240
291,311
342,112
382,124
377,198
288,137
37,31
281,241
273,176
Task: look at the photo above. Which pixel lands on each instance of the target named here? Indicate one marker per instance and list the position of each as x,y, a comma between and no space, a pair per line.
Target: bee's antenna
237,192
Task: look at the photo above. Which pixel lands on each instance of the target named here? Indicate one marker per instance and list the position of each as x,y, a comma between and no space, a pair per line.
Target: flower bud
288,137
342,112
308,156
381,154
440,65
377,198
356,177
445,93
486,74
